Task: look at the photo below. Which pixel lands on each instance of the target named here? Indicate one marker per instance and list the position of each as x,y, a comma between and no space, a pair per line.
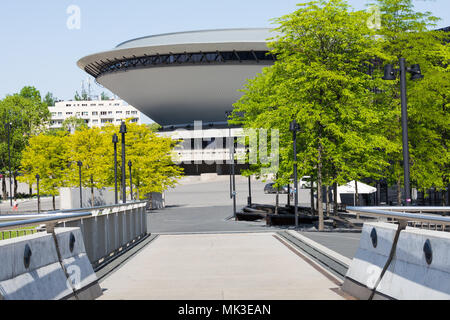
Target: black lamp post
38,196
391,74
294,127
115,140
123,131
8,128
232,177
80,164
249,199
131,180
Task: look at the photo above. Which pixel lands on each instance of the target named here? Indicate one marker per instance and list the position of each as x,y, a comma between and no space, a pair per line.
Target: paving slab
219,266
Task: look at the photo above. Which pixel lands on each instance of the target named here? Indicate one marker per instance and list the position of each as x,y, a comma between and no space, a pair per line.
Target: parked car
270,189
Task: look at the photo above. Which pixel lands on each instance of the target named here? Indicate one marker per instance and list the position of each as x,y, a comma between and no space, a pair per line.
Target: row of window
94,121
94,113
98,68
91,105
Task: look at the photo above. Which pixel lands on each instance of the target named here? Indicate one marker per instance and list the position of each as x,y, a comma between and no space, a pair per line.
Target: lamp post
249,199
391,74
39,197
232,177
294,127
8,128
115,140
131,181
80,164
123,131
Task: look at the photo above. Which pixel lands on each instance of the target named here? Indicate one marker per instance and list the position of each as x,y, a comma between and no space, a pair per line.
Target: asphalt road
29,206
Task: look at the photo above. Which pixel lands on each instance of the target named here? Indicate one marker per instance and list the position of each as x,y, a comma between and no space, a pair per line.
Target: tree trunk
92,192
399,192
15,185
319,188
312,198
5,196
54,202
335,200
356,193
30,192
276,201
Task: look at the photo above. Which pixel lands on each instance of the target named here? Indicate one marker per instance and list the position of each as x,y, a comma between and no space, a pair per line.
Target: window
68,113
128,112
117,104
95,121
106,121
118,112
95,113
100,104
103,113
133,112
68,105
93,104
84,105
53,114
59,114
77,113
109,112
85,113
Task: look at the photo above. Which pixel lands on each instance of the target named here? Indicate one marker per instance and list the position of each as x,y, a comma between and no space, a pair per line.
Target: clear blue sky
38,49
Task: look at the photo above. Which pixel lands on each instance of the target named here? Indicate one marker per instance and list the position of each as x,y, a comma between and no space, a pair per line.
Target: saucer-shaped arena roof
177,78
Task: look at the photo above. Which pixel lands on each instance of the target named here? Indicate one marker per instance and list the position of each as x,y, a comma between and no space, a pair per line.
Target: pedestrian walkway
220,266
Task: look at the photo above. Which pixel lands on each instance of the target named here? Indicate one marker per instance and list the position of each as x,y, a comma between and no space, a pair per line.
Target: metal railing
107,230
411,218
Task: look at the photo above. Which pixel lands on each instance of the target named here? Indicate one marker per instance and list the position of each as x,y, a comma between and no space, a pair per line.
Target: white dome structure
178,78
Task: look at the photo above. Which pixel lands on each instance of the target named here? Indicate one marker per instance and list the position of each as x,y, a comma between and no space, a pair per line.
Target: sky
41,43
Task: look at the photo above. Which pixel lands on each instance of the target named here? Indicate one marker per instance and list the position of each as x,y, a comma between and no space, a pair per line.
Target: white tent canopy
350,188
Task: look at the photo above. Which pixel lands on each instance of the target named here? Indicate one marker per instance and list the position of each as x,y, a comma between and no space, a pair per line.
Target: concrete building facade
95,113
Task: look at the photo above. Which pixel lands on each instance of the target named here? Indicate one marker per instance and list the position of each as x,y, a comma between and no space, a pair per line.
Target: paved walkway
219,266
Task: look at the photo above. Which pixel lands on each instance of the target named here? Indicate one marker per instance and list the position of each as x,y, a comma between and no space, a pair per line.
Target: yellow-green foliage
54,158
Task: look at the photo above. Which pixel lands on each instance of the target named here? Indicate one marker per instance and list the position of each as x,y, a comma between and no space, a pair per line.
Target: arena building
178,78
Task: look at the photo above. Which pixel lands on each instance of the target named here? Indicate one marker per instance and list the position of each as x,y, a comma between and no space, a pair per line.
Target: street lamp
39,198
249,199
232,177
8,128
79,163
115,140
390,73
294,127
123,131
131,181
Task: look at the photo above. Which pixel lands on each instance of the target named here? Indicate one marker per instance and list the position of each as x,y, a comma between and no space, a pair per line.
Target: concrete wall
70,197
47,277
409,275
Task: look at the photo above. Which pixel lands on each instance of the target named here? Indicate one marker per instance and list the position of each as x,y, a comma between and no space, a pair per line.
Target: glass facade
99,68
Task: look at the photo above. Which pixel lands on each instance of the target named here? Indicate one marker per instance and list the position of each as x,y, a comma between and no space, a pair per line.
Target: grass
14,233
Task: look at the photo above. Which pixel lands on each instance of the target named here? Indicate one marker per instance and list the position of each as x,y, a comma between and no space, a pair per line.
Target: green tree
104,96
73,123
28,116
49,99
406,33
88,146
46,155
152,167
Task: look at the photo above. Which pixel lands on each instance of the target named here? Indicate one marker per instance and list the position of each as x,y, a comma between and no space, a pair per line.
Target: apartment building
95,113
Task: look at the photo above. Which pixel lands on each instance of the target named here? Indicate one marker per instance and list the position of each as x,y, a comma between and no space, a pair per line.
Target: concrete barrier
419,270
47,266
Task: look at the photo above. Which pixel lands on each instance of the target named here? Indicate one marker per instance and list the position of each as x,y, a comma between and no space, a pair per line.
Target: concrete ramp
220,266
